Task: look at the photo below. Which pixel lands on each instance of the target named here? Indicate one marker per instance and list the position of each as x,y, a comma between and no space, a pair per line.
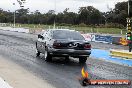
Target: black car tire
82,59
36,45
67,59
47,56
38,53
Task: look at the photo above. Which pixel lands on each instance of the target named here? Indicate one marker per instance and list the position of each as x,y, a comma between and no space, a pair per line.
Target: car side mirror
40,36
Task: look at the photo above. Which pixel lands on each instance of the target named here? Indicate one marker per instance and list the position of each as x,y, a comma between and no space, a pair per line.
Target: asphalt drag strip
19,48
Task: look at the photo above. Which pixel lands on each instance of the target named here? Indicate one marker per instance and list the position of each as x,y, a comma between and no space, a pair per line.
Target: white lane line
4,84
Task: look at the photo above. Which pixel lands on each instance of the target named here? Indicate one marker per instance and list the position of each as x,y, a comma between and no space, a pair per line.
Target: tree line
86,16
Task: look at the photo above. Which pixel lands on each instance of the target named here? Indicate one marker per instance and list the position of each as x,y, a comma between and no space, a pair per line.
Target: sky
59,5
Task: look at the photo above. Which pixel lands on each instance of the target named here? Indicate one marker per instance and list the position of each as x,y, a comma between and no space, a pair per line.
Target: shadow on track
61,61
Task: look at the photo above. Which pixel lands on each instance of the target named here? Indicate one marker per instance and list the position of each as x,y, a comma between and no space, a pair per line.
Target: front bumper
69,52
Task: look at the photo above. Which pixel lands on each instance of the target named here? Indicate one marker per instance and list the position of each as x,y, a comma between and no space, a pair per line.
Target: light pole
14,16
129,28
128,7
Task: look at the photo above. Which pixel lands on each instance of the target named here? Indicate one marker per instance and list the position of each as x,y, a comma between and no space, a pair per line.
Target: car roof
56,30
60,29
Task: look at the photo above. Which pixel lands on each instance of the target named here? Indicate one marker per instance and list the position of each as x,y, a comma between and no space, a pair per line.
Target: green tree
22,15
89,15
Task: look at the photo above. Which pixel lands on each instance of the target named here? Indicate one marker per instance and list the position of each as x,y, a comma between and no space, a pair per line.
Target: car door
49,39
41,41
46,42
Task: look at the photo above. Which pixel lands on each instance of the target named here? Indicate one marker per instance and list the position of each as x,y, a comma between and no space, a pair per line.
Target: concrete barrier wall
103,39
116,40
106,39
35,31
98,38
89,37
23,30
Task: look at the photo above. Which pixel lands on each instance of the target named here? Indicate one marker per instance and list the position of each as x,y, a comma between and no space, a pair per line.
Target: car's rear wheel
82,59
67,59
47,56
37,53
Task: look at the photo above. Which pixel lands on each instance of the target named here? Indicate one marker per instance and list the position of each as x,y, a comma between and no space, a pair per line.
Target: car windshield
66,34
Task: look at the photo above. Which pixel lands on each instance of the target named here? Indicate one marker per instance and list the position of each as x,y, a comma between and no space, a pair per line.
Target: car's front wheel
37,53
47,56
82,59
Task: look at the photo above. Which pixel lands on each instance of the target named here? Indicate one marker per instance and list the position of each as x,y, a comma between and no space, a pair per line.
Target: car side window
48,35
40,36
44,34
